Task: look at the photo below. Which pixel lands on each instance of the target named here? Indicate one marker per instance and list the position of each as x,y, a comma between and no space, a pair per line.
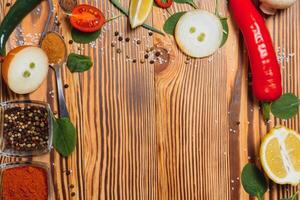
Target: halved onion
25,68
199,33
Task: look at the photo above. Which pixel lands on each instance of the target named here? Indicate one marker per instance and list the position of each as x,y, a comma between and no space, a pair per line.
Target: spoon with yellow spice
56,50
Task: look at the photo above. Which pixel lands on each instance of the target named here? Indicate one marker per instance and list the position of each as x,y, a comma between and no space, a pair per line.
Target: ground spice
54,48
25,183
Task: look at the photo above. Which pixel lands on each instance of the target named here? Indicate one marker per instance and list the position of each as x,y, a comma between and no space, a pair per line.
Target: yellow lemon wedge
280,155
139,11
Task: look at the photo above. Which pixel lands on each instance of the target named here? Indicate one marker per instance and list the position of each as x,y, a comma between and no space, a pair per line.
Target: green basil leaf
170,24
190,2
253,181
266,108
225,30
64,136
79,63
84,38
286,106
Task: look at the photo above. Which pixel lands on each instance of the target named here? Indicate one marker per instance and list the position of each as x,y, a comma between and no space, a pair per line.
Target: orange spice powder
54,48
24,183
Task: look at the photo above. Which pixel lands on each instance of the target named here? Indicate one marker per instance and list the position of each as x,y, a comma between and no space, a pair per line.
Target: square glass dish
26,178
26,128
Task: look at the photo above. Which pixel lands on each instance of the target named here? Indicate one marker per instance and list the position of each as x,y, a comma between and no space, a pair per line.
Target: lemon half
280,155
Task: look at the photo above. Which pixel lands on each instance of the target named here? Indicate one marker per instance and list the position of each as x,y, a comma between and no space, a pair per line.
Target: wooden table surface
180,130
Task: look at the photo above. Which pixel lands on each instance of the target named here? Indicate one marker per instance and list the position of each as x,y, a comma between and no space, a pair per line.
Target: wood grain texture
179,130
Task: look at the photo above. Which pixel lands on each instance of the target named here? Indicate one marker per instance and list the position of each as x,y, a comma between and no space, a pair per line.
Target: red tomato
87,18
164,3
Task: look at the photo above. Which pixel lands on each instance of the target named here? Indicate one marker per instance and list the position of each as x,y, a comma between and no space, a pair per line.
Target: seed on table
119,51
157,54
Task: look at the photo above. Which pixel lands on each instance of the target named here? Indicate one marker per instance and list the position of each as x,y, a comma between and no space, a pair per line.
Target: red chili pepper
165,4
1,59
265,68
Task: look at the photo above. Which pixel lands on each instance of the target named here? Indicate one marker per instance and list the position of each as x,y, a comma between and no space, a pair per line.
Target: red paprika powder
24,183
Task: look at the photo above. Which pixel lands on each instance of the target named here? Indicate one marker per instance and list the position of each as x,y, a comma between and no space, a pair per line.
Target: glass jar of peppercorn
25,128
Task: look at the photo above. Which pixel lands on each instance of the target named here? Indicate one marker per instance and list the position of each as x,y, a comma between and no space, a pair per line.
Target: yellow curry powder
54,47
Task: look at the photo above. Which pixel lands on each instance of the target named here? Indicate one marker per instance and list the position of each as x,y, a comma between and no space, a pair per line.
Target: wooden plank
199,118
179,130
112,106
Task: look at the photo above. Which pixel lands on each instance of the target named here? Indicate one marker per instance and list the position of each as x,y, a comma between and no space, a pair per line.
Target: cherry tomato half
87,18
164,3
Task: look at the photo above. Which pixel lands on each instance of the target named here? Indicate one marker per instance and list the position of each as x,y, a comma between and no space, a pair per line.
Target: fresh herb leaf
64,136
117,4
190,2
170,24
253,181
79,63
225,30
293,197
84,38
266,108
286,106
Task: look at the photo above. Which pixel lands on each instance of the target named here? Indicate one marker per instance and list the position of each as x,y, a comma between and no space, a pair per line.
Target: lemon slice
139,11
280,155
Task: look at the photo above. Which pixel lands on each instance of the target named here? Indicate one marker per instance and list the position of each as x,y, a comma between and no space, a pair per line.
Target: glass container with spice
25,179
25,128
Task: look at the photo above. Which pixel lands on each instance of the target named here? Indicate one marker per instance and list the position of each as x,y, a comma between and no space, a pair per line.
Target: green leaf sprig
286,107
293,197
64,136
253,181
79,63
118,5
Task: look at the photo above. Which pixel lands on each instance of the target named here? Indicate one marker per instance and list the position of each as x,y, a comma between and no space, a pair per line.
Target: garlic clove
267,9
270,6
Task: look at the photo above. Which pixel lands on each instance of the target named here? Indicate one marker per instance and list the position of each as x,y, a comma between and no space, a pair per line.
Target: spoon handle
63,111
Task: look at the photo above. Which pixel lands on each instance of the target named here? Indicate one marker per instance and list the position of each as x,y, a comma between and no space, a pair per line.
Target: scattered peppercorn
66,86
138,42
68,172
113,44
146,56
116,33
120,38
70,41
150,33
26,129
157,54
134,60
72,186
8,4
142,61
127,39
119,51
73,194
151,61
